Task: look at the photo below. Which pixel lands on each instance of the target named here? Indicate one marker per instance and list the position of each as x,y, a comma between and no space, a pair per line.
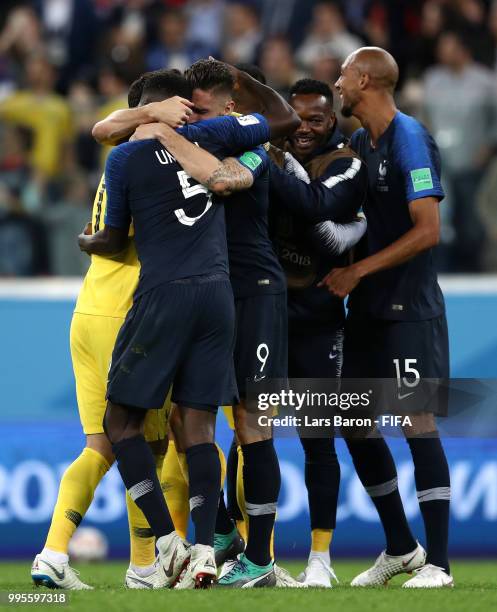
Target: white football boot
387,566
429,577
227,566
201,572
174,556
56,575
155,580
284,580
317,574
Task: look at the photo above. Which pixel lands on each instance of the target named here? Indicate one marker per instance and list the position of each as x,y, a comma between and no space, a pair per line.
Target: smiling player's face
317,118
208,104
348,86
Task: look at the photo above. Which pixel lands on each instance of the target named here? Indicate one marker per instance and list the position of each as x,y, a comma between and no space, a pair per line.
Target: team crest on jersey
381,184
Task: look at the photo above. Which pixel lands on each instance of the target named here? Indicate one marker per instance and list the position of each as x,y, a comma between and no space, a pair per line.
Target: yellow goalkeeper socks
222,461
76,491
175,488
321,540
242,529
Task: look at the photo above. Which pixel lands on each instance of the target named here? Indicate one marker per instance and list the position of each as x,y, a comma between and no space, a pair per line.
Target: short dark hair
166,83
312,86
135,91
254,71
210,75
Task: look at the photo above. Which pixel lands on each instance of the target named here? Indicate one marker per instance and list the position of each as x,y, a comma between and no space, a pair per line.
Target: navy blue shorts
314,352
376,348
412,355
261,347
181,334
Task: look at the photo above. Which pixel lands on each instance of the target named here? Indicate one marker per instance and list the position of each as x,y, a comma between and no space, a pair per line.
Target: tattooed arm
220,177
229,177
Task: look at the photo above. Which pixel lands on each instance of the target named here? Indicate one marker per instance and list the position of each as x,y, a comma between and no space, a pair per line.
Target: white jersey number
262,354
189,191
403,381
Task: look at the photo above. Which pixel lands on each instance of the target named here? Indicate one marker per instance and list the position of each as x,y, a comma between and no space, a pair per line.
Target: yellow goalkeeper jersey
110,282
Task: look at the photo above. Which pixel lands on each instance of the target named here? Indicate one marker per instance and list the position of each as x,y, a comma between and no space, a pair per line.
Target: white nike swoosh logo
60,575
258,378
149,585
401,397
333,356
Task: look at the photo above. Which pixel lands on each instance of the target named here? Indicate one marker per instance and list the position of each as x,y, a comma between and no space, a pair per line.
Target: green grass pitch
476,589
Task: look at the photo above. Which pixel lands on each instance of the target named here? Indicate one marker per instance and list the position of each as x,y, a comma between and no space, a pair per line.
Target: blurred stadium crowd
66,63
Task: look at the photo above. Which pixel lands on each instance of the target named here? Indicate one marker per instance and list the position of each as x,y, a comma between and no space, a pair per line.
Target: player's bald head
378,64
369,71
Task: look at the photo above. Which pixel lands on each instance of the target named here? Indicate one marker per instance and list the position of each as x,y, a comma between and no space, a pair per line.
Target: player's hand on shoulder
341,281
148,131
174,111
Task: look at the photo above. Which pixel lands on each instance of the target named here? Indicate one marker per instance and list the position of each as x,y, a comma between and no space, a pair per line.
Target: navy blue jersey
180,230
296,206
405,166
254,266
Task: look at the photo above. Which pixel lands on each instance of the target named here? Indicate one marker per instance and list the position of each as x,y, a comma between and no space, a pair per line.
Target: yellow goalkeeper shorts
92,342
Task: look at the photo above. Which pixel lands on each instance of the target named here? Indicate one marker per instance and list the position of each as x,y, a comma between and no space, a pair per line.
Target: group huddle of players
218,260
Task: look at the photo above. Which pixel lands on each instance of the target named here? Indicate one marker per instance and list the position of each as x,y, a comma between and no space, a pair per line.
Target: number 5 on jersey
189,191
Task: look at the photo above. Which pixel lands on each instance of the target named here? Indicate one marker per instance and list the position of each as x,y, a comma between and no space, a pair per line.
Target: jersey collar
386,134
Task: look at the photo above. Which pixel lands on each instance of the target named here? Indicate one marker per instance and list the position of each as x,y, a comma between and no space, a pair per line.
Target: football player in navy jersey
260,352
259,289
396,326
322,181
180,328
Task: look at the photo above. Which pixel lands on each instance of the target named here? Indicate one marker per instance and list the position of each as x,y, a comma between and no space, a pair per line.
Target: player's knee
197,427
319,450
192,438
114,423
107,425
176,424
421,424
100,443
358,433
247,428
121,422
